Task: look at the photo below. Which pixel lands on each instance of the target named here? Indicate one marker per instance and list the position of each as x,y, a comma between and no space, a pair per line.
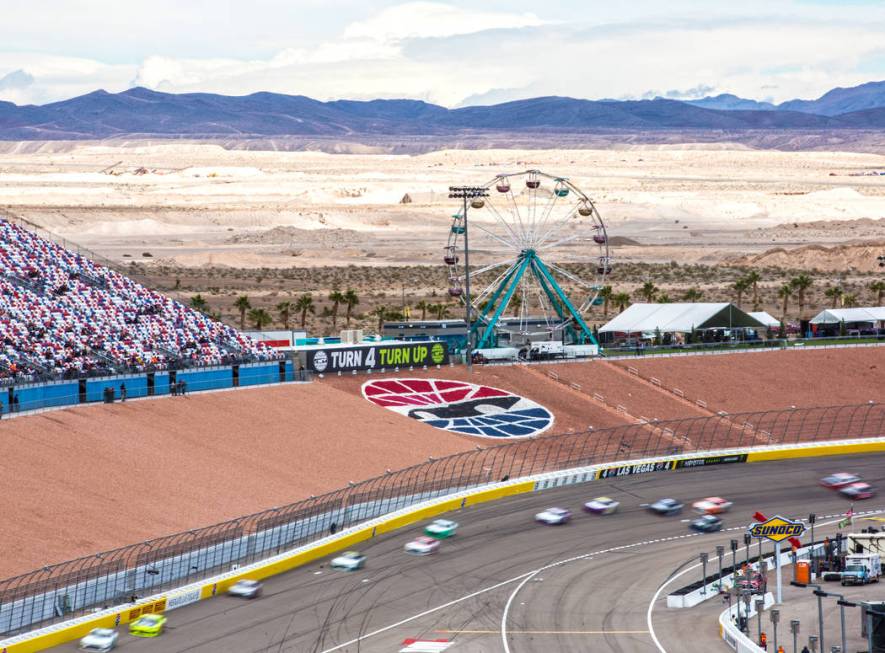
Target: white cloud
447,53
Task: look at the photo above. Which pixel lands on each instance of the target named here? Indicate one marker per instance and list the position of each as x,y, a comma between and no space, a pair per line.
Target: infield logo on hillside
461,407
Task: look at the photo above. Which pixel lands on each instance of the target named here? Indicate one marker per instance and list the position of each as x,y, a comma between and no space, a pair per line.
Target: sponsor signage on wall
376,357
712,460
461,407
777,529
639,468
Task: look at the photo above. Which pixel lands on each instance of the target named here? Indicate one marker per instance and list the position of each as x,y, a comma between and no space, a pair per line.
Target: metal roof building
680,318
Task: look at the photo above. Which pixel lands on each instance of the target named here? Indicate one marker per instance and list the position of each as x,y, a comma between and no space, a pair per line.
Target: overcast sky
451,53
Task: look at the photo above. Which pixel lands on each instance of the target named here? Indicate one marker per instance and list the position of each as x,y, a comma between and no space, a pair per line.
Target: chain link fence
60,591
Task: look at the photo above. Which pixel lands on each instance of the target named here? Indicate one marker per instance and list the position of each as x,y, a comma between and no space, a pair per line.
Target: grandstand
64,316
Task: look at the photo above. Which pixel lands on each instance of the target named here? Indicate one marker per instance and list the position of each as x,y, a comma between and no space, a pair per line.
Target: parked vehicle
861,568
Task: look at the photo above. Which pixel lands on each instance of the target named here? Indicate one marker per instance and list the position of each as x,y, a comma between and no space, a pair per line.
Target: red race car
858,491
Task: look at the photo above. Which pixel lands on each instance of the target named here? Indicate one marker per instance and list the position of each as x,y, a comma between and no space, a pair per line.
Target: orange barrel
803,572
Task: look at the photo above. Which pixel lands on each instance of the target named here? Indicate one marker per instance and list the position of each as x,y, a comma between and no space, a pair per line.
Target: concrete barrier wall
268,540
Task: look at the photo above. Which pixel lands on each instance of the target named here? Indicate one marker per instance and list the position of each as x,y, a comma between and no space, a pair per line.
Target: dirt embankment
854,257
773,380
88,479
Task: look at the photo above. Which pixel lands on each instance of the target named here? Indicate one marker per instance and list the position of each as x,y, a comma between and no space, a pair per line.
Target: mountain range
144,112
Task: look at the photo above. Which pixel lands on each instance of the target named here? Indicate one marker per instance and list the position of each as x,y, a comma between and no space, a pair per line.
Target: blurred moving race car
554,516
706,524
441,528
149,625
711,505
247,589
858,491
836,481
99,639
349,561
602,506
666,507
422,546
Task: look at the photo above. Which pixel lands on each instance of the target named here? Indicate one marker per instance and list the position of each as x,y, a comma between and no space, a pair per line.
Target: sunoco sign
376,357
777,529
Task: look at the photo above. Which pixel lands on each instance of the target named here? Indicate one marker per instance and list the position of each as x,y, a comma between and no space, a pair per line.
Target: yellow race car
149,625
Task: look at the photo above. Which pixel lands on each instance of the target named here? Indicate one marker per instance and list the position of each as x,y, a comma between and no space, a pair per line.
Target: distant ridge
143,112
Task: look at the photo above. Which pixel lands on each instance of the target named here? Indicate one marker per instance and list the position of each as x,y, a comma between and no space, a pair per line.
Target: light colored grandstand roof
766,318
681,318
837,315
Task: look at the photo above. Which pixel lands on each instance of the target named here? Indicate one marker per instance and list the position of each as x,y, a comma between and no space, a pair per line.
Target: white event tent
680,318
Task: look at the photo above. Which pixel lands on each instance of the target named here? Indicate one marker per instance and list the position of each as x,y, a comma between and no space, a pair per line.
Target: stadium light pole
819,593
704,558
775,616
720,551
794,628
465,193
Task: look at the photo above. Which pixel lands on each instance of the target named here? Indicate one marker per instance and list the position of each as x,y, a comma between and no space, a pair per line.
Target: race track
598,600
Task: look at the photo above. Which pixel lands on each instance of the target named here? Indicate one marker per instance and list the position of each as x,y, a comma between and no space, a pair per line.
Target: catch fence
61,591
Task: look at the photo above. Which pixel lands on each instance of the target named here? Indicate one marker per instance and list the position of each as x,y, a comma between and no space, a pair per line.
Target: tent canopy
765,318
837,315
680,318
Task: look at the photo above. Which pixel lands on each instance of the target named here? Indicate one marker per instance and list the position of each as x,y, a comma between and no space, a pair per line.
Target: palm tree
740,287
849,300
800,284
785,292
285,310
242,304
259,317
606,294
423,306
199,304
878,287
693,295
621,300
515,304
350,299
441,310
336,297
305,305
648,291
753,278
835,293
664,298
381,313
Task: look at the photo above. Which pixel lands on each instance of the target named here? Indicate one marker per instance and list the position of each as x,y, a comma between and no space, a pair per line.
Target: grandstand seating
64,316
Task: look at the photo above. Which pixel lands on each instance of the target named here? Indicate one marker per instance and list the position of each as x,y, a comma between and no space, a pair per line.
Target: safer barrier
61,591
20,399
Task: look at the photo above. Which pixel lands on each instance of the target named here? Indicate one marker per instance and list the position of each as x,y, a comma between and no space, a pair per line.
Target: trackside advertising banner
712,460
376,357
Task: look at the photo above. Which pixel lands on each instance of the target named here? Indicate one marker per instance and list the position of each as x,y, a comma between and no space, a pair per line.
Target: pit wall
74,629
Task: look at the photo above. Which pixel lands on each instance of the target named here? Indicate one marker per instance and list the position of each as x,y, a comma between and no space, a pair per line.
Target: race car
711,505
666,507
349,561
858,491
422,546
602,506
99,639
706,524
441,528
836,481
148,625
554,516
247,589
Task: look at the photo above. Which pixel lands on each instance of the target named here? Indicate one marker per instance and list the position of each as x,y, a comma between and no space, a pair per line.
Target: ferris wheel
539,256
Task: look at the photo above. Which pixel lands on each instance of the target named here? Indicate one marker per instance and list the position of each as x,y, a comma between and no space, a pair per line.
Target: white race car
349,561
711,505
602,506
554,516
422,546
99,639
247,589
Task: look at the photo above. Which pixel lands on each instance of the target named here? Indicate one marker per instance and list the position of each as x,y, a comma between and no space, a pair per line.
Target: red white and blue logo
461,407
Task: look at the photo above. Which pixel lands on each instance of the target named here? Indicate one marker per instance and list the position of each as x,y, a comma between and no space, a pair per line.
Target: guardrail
58,592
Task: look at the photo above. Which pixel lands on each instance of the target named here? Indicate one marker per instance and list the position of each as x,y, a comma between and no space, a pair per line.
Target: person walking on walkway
122,392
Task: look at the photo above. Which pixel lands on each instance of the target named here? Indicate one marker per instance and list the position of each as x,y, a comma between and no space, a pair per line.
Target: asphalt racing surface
497,569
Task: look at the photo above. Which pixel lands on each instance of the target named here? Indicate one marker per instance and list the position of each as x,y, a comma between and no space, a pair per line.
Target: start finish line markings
425,645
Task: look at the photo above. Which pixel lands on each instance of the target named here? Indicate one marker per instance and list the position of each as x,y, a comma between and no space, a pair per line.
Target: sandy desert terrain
198,218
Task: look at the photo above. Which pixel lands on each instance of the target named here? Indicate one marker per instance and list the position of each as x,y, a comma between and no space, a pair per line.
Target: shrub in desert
693,295
878,289
849,300
198,303
664,298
